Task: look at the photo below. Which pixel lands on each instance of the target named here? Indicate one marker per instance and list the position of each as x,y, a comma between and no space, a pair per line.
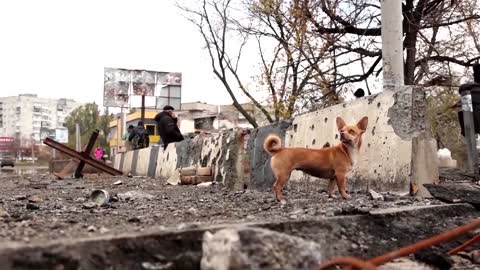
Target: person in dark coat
167,126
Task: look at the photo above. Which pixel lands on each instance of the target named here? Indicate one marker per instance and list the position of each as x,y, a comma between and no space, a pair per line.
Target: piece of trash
174,179
375,195
119,182
100,197
205,184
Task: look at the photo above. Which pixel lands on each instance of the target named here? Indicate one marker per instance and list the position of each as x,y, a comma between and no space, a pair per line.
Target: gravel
35,208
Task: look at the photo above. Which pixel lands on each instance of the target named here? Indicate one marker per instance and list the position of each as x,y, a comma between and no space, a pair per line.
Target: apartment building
26,117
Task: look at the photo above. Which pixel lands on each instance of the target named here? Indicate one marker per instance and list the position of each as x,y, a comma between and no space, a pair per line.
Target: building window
151,129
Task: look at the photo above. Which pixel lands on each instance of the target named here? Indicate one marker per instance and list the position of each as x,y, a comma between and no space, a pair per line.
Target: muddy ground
38,208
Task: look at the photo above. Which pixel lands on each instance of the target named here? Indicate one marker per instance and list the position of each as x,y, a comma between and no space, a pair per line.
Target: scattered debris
475,255
135,195
192,211
4,213
104,230
134,220
375,195
20,197
205,184
174,179
32,206
89,205
35,199
157,266
456,192
434,257
404,264
117,183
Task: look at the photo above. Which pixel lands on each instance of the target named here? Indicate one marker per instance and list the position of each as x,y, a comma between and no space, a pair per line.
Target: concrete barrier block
143,161
127,163
167,161
261,175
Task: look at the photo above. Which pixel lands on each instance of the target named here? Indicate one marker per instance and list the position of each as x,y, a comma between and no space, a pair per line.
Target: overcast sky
58,48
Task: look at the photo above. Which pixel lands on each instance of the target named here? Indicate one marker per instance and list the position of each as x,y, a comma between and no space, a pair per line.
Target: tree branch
439,58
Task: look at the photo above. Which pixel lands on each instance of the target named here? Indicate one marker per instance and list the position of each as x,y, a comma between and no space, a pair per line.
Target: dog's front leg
331,187
341,185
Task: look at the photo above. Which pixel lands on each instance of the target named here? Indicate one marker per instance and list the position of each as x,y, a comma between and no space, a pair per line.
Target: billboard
143,82
118,82
169,78
116,85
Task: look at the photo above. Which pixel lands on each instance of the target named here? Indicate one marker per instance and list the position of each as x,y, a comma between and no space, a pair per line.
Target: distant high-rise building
26,116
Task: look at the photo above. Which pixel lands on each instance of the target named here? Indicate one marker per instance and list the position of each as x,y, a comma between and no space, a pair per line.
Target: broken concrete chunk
35,199
253,248
375,195
455,192
404,264
4,213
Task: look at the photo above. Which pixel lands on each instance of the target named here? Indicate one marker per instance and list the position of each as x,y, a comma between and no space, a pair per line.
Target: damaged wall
398,152
225,151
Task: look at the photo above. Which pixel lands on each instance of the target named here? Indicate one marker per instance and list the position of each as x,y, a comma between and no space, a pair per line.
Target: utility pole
78,142
142,114
392,44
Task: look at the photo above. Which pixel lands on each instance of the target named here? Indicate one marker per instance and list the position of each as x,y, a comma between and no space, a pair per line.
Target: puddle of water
24,170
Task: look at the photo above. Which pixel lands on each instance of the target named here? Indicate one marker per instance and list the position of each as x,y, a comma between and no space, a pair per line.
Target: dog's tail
272,144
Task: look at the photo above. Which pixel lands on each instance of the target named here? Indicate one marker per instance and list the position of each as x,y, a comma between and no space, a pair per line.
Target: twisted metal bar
463,246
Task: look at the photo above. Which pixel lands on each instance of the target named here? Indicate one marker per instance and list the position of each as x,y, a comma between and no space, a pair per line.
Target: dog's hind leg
331,187
280,181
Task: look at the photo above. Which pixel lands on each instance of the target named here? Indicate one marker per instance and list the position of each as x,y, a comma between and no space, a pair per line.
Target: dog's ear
340,123
363,123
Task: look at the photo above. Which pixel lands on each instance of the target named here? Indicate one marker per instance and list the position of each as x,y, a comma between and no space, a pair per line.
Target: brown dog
332,163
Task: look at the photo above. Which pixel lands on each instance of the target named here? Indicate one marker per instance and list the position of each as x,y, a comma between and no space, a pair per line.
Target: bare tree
212,21
360,19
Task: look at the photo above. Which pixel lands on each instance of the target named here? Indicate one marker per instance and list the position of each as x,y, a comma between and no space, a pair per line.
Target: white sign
61,135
